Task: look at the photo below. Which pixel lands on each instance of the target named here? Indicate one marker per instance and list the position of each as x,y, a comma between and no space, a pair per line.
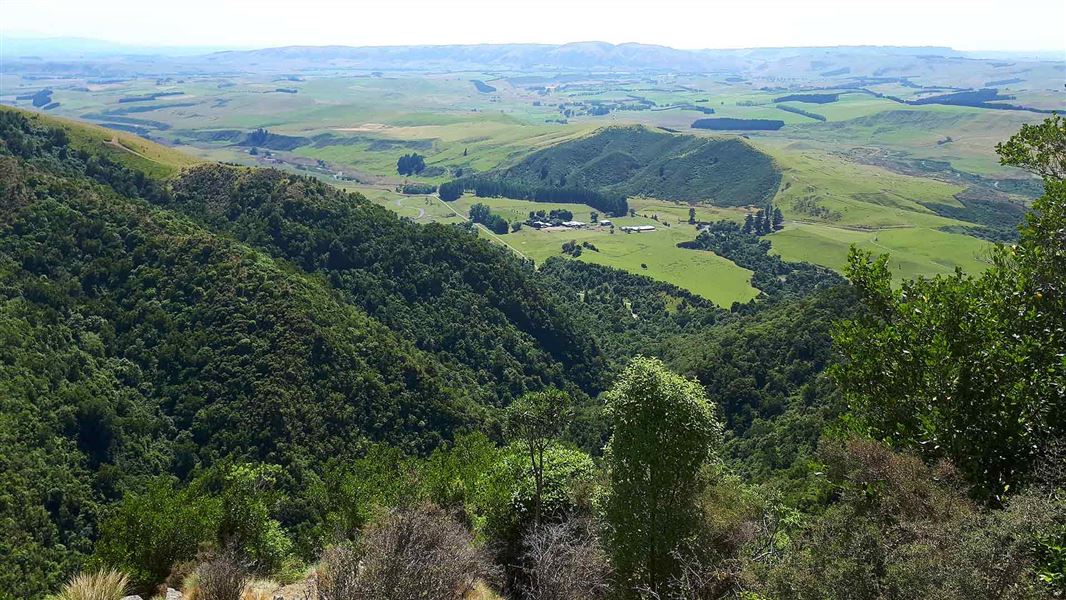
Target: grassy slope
487,143
878,211
134,152
914,251
862,195
962,136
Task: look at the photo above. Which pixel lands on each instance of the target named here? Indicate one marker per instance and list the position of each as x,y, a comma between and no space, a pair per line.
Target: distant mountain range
578,56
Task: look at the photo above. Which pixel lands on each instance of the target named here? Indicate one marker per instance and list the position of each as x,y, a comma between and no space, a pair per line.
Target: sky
961,24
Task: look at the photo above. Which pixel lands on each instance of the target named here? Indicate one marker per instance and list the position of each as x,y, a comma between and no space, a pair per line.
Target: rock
173,594
134,597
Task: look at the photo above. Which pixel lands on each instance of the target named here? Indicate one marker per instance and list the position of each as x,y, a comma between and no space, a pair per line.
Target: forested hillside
474,305
139,342
765,364
636,160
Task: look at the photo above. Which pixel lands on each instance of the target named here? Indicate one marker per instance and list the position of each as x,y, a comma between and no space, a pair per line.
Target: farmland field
913,251
654,254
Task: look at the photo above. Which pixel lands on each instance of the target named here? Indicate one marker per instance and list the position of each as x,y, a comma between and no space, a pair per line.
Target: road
117,144
421,211
481,227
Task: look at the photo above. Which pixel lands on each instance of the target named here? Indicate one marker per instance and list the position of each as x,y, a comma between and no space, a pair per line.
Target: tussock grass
105,584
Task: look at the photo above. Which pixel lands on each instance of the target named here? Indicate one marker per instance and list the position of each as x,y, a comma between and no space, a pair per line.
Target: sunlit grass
105,584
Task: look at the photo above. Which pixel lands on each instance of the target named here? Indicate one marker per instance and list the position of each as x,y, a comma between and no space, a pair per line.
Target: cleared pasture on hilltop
155,160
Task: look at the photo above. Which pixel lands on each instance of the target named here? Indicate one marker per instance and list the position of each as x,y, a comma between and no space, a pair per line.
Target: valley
857,154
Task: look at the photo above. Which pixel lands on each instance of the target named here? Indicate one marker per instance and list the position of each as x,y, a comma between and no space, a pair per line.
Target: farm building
573,224
638,228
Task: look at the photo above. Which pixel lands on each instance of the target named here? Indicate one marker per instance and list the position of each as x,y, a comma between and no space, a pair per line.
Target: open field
698,271
914,251
654,254
856,195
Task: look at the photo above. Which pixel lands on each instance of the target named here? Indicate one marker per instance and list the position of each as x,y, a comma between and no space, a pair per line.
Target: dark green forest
239,373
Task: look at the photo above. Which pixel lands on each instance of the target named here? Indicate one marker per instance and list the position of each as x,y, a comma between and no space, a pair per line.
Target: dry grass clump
260,589
105,584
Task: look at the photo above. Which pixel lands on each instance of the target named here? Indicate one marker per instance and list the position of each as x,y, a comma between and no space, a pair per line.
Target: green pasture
913,251
654,254
856,195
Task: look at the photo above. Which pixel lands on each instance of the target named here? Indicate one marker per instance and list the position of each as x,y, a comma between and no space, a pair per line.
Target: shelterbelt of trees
240,373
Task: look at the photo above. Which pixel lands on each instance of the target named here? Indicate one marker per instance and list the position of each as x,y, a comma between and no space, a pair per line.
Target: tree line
773,276
764,221
491,188
480,213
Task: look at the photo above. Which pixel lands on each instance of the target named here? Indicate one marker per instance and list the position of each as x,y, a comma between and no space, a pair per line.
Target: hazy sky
962,24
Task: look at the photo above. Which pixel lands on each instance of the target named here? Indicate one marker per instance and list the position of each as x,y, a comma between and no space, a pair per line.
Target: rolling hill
638,161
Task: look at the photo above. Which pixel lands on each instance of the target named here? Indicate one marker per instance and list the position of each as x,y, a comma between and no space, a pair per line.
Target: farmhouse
605,223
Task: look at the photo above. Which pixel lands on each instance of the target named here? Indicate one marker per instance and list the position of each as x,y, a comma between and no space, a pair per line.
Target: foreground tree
1040,149
971,368
536,420
151,530
664,431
